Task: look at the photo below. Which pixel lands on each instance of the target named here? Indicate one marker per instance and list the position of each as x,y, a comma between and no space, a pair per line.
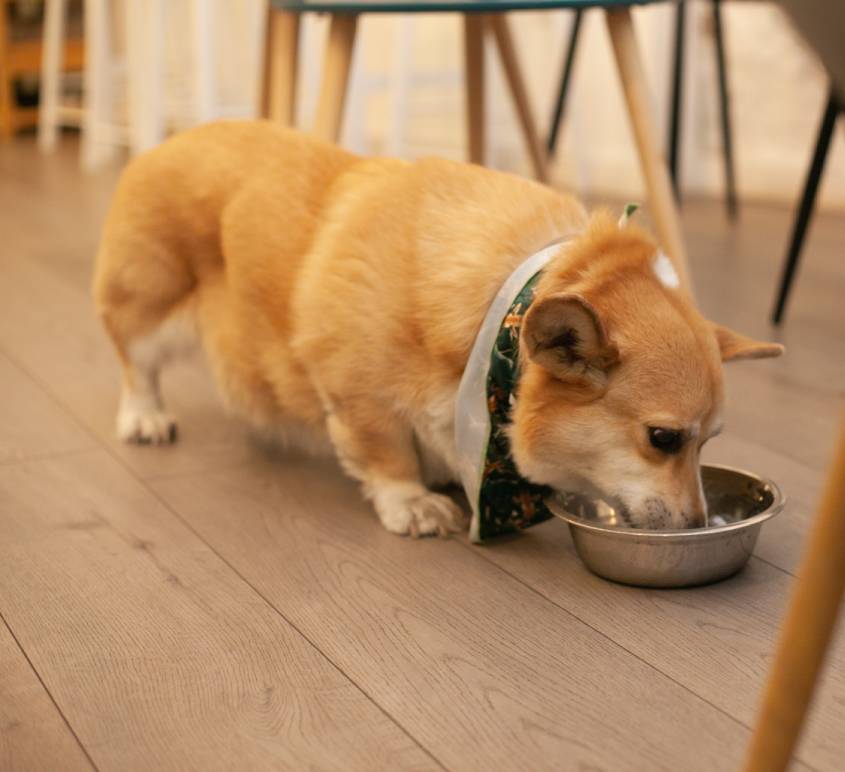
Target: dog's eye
665,440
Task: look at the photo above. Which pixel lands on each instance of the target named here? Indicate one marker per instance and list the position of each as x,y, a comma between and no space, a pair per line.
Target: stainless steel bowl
739,503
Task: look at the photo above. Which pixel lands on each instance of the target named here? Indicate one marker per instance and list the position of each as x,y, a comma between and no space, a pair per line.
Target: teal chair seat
434,6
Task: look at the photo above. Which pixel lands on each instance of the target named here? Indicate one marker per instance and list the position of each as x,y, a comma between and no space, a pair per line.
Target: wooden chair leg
474,72
51,73
513,75
335,76
281,52
7,128
810,620
631,73
725,111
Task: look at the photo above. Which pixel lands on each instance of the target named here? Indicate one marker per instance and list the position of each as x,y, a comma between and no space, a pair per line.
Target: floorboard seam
10,463
293,625
143,483
636,656
147,486
48,692
775,566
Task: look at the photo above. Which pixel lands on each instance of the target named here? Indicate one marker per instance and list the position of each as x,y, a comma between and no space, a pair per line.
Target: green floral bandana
502,500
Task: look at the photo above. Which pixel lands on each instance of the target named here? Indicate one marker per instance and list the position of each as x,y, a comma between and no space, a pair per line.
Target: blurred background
212,604
406,87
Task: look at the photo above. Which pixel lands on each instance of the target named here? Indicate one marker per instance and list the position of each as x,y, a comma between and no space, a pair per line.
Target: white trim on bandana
665,271
472,418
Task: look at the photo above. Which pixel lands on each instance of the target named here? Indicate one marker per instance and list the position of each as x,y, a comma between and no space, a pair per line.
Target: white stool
145,26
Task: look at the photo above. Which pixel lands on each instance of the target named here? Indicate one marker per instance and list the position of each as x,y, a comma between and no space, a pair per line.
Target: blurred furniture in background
20,57
282,46
676,97
833,108
480,18
137,121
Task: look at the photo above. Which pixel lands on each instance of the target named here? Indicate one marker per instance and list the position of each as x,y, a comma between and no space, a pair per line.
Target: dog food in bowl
738,504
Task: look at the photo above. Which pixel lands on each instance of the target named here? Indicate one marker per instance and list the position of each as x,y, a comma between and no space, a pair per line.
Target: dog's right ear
564,334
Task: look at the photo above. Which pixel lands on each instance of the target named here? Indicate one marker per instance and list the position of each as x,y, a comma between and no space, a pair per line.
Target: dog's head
621,381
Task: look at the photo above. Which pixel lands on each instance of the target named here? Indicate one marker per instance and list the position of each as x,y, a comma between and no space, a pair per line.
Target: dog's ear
732,345
564,334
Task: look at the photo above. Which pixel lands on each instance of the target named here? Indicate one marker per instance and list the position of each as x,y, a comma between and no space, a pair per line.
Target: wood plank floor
222,605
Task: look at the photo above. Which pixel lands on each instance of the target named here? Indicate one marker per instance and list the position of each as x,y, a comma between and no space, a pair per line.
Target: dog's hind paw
412,510
152,428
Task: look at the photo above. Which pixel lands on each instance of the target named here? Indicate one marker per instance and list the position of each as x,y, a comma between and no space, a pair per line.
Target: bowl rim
683,534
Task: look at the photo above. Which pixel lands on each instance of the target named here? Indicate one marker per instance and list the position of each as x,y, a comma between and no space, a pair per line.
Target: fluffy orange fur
338,297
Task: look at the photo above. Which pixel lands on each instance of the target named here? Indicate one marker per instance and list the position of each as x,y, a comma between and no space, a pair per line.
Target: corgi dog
337,299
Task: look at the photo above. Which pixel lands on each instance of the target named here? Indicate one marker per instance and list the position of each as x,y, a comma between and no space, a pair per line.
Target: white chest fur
434,430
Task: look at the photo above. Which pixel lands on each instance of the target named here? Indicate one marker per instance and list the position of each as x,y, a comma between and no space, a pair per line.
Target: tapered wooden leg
474,73
335,76
281,51
513,75
725,111
810,620
7,129
662,203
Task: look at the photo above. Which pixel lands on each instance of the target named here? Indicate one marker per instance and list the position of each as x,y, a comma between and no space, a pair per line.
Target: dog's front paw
145,427
413,510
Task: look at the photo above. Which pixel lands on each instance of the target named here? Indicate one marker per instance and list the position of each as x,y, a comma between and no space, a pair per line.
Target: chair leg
554,129
281,52
7,128
51,74
513,75
202,29
807,629
97,123
631,73
724,104
474,73
677,89
145,28
805,209
335,76
400,85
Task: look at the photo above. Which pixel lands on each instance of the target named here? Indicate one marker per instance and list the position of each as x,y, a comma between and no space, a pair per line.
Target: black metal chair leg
805,209
677,88
551,141
724,103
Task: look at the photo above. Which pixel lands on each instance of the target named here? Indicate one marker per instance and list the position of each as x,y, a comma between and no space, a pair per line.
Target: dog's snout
696,519
657,514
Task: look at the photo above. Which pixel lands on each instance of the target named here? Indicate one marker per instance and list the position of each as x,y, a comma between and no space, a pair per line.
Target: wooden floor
219,605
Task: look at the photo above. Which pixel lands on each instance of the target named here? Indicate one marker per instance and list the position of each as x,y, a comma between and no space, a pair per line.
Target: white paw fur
141,420
413,510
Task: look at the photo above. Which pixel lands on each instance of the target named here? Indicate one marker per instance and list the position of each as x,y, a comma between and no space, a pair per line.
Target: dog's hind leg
147,307
142,416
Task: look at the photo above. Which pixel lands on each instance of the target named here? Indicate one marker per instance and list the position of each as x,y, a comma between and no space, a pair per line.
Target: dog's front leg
378,449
